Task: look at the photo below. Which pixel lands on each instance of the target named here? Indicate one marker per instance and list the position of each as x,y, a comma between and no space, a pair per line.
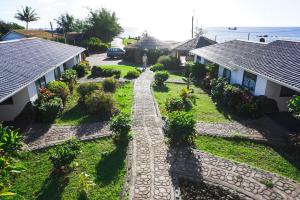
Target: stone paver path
39,136
250,183
151,177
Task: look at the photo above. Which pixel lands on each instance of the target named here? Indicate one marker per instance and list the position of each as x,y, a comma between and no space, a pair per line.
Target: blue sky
165,18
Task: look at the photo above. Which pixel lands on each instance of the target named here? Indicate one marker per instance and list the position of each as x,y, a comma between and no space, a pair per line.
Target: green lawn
74,114
127,41
254,154
204,110
107,172
123,68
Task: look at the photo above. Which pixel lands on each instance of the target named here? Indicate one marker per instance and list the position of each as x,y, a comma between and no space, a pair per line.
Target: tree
7,26
103,24
65,24
27,15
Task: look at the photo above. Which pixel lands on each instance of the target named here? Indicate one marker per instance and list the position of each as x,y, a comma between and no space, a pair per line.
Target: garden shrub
109,85
121,126
217,88
69,76
266,105
157,67
169,62
180,128
174,104
100,103
232,96
10,140
48,110
95,44
60,89
63,155
86,88
197,70
82,68
294,106
160,77
132,74
98,71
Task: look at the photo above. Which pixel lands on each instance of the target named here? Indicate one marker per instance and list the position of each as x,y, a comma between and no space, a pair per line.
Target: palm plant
65,23
27,15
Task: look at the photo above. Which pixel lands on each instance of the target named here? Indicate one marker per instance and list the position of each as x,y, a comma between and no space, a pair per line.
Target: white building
28,64
270,69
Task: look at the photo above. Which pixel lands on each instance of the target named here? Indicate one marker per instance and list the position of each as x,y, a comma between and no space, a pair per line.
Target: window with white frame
249,81
40,83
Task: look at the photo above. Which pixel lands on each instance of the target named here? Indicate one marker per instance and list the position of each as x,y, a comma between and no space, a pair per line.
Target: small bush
217,88
169,62
95,44
109,85
121,125
82,68
100,103
132,74
48,110
197,70
98,71
69,76
160,77
10,140
174,104
87,88
180,128
294,106
60,89
63,155
266,105
157,67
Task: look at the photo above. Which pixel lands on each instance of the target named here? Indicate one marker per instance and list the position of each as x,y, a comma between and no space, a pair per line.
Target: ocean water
222,34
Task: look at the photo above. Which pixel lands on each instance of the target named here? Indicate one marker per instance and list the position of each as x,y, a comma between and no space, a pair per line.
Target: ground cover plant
203,110
282,160
101,160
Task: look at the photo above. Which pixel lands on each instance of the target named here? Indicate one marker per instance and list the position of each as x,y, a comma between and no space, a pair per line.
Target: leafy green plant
157,67
95,44
132,74
294,106
85,185
86,88
10,140
60,89
160,77
82,68
180,128
100,103
168,62
109,85
69,76
174,104
98,71
121,126
48,110
217,88
63,155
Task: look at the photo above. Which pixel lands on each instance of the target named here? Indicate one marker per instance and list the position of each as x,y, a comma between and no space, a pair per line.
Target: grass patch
204,110
106,170
74,114
123,68
257,155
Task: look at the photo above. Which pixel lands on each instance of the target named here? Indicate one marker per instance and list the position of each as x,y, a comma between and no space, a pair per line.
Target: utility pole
193,24
215,38
248,36
51,29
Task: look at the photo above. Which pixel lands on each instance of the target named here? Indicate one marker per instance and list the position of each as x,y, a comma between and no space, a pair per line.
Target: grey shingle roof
24,61
149,43
278,60
194,43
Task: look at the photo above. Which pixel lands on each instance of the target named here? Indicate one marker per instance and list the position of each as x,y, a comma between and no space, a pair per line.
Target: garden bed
203,191
123,68
101,159
74,114
283,160
204,110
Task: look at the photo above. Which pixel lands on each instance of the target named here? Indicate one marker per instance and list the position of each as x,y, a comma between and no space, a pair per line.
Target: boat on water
232,28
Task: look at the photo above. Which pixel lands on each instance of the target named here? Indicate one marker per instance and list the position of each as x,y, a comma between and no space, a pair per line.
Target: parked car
115,52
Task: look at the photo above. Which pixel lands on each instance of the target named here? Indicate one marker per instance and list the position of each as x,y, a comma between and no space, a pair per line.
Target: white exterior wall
12,36
273,92
237,76
50,76
32,92
72,62
9,112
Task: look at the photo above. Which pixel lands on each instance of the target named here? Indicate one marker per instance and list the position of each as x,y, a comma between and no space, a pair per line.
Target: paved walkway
40,136
151,177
